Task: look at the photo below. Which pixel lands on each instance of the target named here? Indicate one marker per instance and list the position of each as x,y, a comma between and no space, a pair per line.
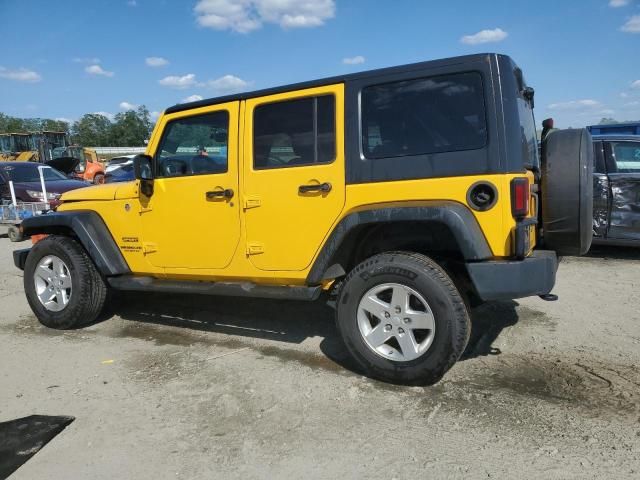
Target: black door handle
315,187
226,193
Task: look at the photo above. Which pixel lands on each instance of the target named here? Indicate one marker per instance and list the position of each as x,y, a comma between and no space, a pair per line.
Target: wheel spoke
43,272
400,298
58,266
420,320
374,306
65,282
408,345
378,335
63,296
46,296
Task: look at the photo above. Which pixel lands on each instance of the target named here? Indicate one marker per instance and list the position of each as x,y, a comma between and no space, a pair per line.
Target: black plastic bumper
507,279
20,257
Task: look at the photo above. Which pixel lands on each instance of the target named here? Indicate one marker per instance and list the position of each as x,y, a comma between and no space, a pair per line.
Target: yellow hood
109,191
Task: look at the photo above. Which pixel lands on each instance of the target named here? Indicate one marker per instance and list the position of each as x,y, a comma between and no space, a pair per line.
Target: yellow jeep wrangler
404,195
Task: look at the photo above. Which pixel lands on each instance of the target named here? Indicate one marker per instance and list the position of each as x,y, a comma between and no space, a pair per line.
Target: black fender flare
90,230
458,218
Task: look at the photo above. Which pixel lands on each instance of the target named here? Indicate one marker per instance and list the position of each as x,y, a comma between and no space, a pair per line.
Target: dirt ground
199,387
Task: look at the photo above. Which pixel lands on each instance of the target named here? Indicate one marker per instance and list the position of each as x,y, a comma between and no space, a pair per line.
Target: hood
107,191
53,186
65,165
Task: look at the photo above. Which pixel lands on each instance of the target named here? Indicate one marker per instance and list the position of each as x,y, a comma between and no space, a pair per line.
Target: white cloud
110,116
244,16
632,25
357,60
179,82
192,98
618,3
575,105
98,70
20,75
63,119
635,103
228,84
90,60
127,106
154,115
635,84
156,61
485,36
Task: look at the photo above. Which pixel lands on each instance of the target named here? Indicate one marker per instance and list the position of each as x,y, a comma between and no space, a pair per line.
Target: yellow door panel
294,187
192,220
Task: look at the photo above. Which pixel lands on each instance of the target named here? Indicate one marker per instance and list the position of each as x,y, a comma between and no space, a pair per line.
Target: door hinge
149,247
255,248
251,202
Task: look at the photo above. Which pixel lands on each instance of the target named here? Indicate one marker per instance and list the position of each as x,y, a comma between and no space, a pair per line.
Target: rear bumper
508,279
20,257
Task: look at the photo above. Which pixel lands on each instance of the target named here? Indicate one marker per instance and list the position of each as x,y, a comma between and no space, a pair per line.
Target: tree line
127,129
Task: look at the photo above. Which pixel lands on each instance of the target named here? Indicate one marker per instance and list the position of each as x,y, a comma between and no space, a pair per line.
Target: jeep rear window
294,133
528,139
427,115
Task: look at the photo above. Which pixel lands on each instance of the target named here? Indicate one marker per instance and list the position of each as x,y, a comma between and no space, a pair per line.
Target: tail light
520,197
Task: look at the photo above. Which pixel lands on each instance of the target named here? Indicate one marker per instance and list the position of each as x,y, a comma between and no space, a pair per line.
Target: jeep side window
294,132
194,146
626,156
426,115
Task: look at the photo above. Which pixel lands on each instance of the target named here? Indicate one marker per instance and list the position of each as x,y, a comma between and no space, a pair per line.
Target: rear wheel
98,179
62,285
402,318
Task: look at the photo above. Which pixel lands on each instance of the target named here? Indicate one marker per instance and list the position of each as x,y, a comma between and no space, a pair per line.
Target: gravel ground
198,387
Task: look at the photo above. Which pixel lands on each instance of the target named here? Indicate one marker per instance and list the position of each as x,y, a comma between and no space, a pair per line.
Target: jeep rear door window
626,156
194,146
294,132
426,115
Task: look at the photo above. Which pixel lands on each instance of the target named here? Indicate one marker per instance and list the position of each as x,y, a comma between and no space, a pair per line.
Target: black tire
567,191
424,276
14,234
98,179
89,290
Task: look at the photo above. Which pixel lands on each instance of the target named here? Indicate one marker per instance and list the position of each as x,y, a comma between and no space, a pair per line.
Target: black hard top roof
331,80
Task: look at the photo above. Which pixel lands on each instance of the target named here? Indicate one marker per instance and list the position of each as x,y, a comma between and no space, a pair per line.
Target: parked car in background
26,182
89,167
629,128
119,169
616,190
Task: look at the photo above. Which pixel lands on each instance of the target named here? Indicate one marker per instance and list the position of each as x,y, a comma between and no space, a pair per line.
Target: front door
192,219
294,186
624,181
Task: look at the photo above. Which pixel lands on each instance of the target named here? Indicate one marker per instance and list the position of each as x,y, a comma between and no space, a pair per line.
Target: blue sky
64,59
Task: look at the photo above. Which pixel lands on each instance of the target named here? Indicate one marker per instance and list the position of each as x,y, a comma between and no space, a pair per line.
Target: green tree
607,121
131,128
92,130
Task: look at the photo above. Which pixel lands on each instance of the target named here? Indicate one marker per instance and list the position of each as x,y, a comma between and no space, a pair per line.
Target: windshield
29,173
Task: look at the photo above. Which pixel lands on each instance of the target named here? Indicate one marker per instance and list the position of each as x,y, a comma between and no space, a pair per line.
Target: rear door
294,176
624,178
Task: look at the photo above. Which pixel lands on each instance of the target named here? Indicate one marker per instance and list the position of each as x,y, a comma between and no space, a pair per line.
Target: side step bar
229,289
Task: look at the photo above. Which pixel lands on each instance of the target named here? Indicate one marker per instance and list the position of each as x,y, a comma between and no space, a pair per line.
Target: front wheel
402,318
63,286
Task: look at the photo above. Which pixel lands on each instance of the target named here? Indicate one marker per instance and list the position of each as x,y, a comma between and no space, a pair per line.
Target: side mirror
144,172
